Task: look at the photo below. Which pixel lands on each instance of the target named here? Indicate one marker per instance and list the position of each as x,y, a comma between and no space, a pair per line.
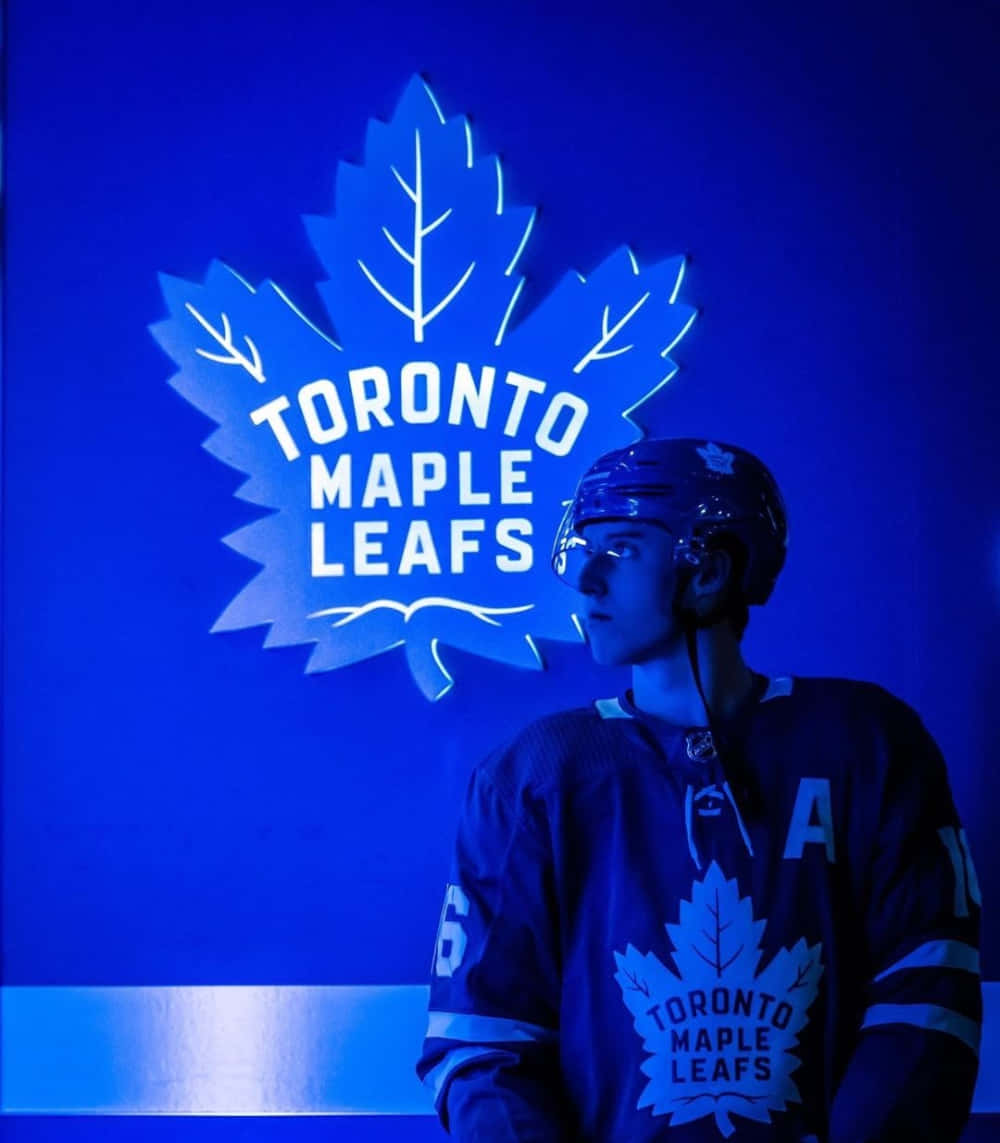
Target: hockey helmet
695,489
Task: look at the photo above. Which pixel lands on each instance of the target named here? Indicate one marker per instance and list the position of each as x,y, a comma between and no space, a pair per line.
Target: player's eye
622,550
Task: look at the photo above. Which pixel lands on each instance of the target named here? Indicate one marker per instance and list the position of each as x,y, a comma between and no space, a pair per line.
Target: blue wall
183,808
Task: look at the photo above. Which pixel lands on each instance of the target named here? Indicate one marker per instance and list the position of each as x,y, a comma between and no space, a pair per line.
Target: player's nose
593,579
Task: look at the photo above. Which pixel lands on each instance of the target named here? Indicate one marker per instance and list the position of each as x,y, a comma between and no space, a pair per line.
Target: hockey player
719,906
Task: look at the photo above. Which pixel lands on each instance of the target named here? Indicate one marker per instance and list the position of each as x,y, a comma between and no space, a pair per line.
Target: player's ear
706,587
713,573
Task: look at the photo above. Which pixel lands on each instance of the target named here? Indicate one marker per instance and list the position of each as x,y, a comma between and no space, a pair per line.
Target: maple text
410,482
716,1050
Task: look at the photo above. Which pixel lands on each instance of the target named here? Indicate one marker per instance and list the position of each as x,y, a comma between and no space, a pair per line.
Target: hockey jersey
654,933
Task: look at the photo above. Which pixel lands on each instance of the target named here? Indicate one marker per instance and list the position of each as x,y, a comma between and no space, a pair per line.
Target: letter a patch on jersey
721,1034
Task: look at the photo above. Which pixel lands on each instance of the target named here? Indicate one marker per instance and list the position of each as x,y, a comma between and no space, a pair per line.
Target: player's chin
607,652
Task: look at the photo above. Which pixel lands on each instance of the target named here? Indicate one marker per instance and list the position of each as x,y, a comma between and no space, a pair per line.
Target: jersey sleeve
912,1073
490,1056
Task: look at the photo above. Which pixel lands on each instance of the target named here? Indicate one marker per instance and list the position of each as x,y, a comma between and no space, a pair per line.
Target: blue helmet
695,489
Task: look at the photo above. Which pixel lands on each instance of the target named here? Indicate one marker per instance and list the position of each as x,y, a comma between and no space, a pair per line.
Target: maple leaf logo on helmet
717,459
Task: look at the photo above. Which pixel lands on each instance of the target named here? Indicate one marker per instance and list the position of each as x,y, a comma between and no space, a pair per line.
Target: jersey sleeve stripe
937,954
779,687
437,1078
611,708
930,1016
472,1029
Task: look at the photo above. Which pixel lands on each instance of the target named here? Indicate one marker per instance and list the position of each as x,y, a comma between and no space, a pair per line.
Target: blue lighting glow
302,317
680,278
509,310
673,345
239,1050
521,245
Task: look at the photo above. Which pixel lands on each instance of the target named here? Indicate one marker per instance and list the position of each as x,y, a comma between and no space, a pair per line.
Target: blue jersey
652,933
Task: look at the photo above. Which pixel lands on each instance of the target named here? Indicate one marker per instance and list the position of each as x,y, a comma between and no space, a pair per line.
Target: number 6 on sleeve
451,938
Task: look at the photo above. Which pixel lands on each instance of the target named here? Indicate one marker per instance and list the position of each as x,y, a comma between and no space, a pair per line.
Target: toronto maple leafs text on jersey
642,940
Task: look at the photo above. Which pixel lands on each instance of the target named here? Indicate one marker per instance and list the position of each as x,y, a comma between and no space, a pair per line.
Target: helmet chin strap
691,639
692,624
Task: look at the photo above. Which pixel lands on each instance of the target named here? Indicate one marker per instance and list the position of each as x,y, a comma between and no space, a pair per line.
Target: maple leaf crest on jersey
721,1035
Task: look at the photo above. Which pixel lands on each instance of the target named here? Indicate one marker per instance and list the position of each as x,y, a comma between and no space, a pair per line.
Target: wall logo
415,464
721,1035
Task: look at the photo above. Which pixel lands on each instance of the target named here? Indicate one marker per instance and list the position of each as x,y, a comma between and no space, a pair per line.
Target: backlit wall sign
415,459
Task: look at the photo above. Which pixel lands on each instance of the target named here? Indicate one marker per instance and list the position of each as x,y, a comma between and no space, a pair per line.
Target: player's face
626,587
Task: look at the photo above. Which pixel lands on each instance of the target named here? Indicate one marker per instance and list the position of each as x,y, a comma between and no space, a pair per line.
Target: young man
719,907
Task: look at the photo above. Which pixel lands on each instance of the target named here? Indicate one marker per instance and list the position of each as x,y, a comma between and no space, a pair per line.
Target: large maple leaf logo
415,460
721,1034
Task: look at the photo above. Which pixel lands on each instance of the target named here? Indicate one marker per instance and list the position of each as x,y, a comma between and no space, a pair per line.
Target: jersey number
451,938
966,881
